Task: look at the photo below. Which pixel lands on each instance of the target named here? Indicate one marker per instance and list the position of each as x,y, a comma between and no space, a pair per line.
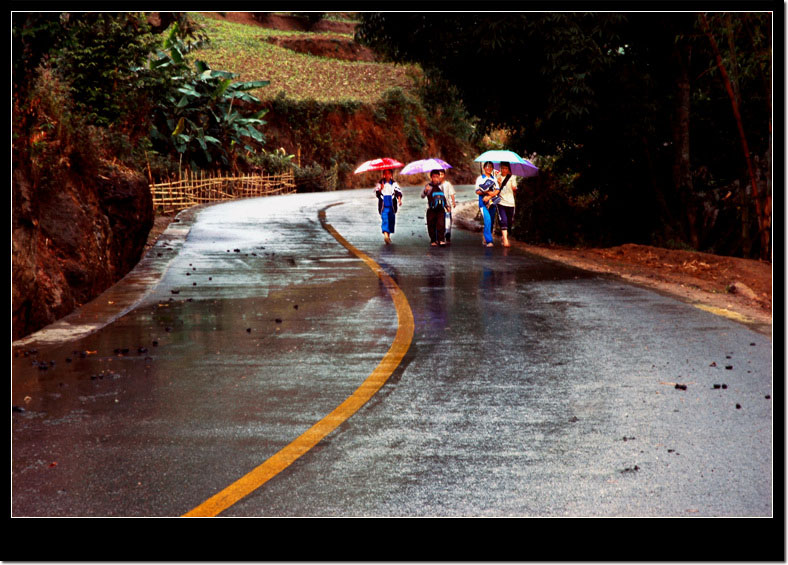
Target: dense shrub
53,139
397,109
98,57
549,209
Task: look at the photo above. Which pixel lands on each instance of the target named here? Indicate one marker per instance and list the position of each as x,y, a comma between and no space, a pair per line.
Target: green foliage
206,116
539,73
123,78
98,56
311,128
601,93
99,64
310,178
94,54
745,44
34,36
551,209
273,162
396,109
57,141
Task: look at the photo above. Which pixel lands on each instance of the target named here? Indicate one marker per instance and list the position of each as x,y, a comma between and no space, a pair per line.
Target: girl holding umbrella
389,196
387,191
511,164
508,183
487,188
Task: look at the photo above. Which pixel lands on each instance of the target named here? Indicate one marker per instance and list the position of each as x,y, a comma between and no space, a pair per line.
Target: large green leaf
244,97
251,85
254,134
221,88
176,54
189,91
179,128
203,100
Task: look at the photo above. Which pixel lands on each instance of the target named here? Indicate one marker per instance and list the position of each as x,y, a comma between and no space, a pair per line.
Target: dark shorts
506,216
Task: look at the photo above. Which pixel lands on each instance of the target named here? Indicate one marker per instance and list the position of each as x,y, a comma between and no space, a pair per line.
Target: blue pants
489,218
387,215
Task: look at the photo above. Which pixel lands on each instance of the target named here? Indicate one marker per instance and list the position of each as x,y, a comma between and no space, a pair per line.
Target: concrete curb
124,295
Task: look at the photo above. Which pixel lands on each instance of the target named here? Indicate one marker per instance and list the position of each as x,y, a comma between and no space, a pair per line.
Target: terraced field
246,50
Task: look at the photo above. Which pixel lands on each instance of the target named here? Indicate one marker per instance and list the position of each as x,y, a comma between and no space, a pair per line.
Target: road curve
310,438
528,388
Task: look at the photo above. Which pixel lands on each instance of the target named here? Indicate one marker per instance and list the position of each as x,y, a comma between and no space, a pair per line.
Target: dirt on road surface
737,288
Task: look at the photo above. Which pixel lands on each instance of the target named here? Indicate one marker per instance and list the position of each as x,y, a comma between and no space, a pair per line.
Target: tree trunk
682,171
762,224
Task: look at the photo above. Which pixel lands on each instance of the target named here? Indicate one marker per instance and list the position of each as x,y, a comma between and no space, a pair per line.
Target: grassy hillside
243,49
332,114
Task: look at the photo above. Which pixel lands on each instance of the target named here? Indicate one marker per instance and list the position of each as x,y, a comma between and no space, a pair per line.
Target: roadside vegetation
652,128
326,115
636,141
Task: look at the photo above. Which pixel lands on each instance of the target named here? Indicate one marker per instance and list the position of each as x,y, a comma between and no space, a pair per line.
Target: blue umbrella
520,167
424,166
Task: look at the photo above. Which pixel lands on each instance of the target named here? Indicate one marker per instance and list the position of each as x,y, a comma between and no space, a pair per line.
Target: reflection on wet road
529,389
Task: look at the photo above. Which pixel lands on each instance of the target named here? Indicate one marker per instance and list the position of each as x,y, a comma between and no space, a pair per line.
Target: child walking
508,184
389,197
487,188
436,209
451,201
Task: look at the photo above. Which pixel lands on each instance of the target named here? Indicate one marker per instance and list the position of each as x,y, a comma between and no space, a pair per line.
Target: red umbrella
378,165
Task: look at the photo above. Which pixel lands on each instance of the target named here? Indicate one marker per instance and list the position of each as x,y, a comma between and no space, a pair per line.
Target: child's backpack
437,200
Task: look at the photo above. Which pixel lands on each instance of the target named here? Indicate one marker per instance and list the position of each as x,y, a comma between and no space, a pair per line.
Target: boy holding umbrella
436,209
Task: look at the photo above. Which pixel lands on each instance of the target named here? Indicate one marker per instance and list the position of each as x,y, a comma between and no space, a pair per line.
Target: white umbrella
519,166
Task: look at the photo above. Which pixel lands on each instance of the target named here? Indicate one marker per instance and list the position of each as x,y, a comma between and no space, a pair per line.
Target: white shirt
449,190
480,180
388,189
507,192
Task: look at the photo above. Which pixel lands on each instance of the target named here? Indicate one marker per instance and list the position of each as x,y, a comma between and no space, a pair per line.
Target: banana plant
207,116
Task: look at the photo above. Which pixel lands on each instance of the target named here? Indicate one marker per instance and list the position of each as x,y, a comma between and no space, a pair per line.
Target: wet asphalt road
529,388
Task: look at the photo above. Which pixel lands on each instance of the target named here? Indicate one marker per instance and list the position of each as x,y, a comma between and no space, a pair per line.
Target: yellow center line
306,441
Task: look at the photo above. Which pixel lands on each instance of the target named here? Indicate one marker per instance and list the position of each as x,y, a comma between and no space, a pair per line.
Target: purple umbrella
424,166
519,166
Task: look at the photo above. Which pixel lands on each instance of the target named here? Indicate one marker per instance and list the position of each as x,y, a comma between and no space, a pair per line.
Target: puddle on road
339,331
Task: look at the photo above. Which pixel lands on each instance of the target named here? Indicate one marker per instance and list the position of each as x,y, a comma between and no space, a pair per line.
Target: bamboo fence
191,190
